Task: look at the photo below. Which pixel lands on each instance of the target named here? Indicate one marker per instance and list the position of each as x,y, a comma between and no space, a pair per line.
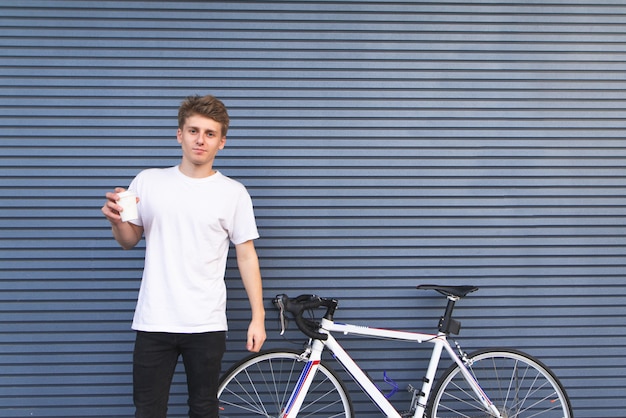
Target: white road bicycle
500,383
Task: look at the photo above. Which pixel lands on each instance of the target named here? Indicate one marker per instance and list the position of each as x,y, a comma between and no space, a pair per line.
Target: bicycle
501,383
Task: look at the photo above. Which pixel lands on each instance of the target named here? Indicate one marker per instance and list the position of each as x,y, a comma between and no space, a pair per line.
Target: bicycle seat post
447,325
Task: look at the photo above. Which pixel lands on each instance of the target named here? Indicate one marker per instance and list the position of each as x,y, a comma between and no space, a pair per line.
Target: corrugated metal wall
385,144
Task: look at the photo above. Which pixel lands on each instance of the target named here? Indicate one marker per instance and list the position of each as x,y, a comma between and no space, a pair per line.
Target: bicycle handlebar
297,306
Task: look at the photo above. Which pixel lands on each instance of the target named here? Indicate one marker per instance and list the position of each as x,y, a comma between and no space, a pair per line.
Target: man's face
201,138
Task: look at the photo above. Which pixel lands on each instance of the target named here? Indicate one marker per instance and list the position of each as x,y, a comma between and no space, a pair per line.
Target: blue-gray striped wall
385,144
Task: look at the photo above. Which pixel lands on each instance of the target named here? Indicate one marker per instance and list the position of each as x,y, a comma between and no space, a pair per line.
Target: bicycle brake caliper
462,353
305,355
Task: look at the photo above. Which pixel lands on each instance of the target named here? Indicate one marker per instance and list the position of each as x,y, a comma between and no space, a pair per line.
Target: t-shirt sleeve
244,226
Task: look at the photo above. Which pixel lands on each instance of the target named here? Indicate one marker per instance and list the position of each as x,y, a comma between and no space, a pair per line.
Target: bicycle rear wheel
519,385
261,385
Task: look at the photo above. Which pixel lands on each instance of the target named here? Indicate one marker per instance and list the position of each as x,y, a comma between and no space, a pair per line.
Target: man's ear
179,136
222,142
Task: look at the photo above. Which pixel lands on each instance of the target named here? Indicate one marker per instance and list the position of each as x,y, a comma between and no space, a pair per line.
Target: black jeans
154,362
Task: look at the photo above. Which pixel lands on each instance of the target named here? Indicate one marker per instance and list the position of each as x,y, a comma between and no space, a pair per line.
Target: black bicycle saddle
456,291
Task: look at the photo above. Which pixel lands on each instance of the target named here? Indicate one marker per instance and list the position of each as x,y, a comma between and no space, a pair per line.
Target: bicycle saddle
457,291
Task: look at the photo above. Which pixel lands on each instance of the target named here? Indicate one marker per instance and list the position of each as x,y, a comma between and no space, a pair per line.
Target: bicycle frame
439,341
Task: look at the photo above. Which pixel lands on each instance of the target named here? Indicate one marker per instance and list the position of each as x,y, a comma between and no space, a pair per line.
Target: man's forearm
126,234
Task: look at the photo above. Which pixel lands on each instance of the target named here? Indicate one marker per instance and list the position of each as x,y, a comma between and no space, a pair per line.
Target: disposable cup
128,201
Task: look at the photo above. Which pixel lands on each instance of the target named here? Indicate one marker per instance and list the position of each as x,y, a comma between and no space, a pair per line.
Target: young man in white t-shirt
189,214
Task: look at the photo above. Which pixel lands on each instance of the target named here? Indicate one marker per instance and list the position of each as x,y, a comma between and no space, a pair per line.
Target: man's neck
196,172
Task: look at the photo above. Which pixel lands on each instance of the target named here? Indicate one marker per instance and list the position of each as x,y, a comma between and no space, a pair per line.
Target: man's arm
125,233
248,263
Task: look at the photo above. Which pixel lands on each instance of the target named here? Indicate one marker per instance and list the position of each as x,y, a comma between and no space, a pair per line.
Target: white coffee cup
128,200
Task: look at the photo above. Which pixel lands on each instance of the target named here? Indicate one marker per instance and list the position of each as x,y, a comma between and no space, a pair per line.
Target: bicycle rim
262,384
519,386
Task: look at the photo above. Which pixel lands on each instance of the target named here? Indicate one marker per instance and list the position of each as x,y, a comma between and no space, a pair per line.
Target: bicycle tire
519,385
261,384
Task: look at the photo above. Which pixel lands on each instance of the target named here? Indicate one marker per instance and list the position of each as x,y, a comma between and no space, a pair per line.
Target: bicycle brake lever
281,306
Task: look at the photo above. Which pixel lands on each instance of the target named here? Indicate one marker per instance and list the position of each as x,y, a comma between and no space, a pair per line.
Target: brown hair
207,106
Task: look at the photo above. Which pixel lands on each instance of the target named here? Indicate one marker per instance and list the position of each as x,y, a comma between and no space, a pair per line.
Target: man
189,214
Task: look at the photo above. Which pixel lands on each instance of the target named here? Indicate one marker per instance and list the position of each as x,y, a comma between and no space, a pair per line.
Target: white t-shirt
188,225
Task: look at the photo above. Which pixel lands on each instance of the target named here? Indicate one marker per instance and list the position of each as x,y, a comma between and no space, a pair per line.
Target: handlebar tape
297,306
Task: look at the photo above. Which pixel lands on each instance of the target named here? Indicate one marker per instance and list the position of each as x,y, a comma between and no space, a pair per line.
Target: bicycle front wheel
261,385
519,385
